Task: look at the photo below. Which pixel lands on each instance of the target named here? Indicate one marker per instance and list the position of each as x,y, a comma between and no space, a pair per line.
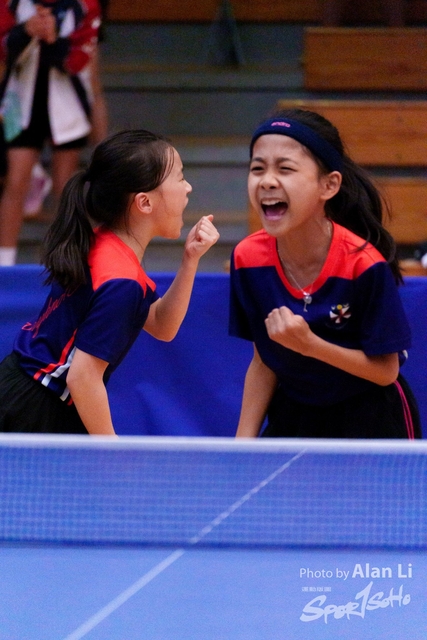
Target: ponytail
359,207
127,162
68,240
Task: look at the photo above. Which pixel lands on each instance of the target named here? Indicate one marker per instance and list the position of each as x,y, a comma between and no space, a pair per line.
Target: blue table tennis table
212,539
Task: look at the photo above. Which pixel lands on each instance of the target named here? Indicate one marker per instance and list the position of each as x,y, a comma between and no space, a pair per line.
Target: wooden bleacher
389,133
302,11
382,134
408,199
378,133
376,58
196,11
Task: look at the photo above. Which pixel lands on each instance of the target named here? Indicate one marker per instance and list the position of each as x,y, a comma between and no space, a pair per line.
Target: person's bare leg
99,117
65,163
20,162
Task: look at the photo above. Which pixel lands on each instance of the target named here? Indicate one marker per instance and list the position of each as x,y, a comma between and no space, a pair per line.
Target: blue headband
303,134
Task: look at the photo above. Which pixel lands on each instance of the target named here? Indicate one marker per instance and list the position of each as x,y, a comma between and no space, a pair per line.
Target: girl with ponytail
316,293
100,297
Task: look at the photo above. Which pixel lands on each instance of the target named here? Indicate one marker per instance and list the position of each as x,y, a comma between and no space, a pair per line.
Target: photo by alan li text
368,599
359,571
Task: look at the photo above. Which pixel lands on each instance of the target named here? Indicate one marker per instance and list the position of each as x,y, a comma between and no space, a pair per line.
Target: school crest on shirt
339,313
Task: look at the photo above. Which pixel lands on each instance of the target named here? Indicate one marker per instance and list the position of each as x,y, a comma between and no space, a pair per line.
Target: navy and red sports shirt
355,304
102,317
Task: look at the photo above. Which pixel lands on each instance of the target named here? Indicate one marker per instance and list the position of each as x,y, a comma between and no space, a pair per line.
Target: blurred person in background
46,97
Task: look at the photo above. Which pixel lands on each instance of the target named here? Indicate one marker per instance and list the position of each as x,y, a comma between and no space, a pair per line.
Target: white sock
8,256
424,261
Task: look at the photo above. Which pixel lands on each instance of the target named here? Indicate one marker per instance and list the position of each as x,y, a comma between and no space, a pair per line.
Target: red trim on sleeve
84,39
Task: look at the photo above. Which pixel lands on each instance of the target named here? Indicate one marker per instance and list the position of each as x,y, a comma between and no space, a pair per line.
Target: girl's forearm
86,385
166,315
260,384
382,370
94,409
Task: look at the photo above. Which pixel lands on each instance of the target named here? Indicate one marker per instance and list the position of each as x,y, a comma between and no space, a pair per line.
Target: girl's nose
269,180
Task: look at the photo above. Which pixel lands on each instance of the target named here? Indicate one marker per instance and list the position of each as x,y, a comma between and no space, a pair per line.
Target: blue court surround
360,573
60,593
193,385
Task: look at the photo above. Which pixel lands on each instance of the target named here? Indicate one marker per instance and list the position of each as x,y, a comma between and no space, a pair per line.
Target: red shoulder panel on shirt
110,258
257,250
349,255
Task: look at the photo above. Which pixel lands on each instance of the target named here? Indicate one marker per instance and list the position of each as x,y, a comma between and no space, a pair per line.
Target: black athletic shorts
381,412
26,406
38,131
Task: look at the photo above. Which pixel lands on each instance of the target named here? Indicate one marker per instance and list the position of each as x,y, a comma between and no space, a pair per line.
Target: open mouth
274,211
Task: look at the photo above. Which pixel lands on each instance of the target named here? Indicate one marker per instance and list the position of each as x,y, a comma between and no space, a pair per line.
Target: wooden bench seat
356,59
407,198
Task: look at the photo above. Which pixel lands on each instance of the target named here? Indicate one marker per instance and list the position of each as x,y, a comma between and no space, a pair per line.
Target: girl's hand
201,238
42,25
289,330
293,332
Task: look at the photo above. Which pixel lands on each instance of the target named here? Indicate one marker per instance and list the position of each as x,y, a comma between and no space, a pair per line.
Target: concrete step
182,46
163,80
204,112
166,257
217,170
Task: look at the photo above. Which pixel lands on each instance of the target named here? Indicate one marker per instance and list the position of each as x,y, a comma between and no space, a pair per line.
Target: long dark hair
358,205
125,163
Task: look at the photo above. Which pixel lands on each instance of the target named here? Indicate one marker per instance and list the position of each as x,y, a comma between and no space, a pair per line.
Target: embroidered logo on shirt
339,313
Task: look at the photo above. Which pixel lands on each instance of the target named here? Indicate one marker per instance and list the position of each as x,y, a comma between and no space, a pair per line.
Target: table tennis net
221,492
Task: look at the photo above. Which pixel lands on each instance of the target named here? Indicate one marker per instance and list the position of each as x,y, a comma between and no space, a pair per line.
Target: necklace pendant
307,300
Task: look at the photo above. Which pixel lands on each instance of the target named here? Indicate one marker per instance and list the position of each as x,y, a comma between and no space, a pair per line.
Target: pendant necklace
307,297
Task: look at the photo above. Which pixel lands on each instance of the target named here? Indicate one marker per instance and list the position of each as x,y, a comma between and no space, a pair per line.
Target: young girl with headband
100,297
316,293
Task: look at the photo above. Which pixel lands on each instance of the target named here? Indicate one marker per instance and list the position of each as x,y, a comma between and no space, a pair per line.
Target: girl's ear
142,202
332,184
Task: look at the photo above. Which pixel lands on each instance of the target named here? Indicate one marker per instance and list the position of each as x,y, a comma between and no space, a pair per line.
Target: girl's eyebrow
281,159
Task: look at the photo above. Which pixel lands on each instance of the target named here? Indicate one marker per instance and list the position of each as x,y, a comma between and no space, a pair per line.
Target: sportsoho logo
365,600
